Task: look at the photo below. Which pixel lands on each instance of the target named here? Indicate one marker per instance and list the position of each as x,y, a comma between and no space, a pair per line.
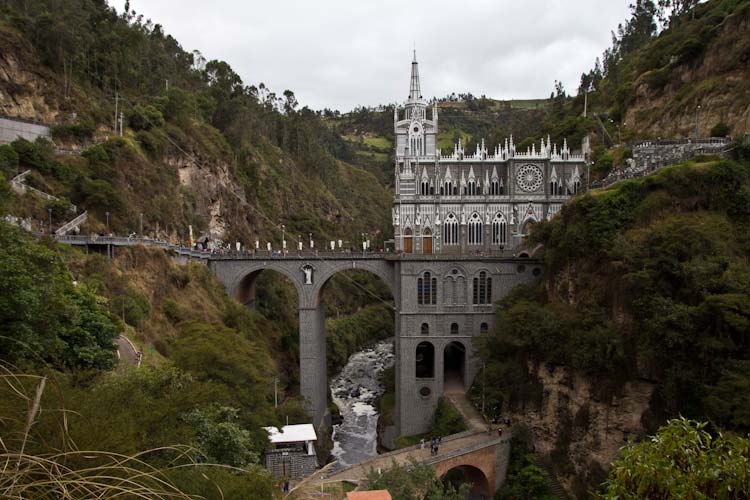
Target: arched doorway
408,241
427,241
424,366
454,365
474,477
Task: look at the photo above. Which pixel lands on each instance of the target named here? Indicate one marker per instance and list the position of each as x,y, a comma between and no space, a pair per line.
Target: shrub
8,159
78,131
721,129
145,117
96,154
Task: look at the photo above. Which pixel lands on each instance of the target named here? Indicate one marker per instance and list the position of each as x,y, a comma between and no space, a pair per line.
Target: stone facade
443,318
477,202
290,463
459,313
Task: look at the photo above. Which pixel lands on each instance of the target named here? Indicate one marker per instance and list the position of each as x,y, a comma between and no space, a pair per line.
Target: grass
376,142
72,473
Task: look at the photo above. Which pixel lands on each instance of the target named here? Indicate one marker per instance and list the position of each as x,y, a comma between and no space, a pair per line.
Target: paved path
455,394
125,350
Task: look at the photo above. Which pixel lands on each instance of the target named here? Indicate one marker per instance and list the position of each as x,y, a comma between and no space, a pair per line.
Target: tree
45,317
682,460
414,480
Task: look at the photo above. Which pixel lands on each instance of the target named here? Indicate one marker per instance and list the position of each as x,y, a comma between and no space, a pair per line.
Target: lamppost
49,212
107,216
364,244
141,232
697,128
283,239
311,241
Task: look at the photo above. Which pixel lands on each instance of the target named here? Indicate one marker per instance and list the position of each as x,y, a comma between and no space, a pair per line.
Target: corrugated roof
292,433
368,495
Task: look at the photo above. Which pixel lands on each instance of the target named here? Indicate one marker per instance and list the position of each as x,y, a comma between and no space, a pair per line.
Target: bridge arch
309,277
480,467
471,475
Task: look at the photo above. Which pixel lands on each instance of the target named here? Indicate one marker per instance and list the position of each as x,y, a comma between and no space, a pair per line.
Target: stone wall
10,130
290,463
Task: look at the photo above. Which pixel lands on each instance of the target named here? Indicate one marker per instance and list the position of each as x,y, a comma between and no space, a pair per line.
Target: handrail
289,255
73,223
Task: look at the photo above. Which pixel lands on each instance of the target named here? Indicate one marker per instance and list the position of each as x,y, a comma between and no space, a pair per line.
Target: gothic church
471,203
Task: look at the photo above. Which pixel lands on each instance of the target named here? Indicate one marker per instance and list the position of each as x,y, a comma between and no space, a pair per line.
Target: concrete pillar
312,353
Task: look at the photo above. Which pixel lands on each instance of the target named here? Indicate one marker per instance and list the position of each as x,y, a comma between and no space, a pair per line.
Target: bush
145,117
96,154
8,160
721,129
683,460
78,131
100,194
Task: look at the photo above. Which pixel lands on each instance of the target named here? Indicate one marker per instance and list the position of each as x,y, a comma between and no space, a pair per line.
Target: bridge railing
272,254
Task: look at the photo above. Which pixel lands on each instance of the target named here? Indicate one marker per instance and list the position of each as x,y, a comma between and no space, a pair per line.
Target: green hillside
200,147
646,283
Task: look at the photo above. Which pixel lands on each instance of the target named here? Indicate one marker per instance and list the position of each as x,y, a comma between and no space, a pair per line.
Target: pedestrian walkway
455,394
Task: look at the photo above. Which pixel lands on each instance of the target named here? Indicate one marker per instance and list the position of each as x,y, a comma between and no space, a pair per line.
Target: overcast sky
343,53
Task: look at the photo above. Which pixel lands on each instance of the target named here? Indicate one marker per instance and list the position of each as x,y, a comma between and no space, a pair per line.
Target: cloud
343,53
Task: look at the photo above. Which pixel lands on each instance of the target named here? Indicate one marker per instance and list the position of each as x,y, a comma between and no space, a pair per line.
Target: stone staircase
557,488
69,226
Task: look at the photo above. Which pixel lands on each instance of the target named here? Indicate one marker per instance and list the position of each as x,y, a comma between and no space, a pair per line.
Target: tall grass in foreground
71,473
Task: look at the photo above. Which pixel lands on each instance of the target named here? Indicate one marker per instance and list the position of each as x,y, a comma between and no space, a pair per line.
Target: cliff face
24,92
718,81
581,426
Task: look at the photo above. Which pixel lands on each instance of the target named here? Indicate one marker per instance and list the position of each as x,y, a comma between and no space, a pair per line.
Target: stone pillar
312,354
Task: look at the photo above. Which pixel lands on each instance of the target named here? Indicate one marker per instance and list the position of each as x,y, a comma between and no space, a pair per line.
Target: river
355,391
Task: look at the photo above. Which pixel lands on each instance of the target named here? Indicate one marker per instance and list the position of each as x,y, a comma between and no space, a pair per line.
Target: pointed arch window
554,187
482,289
427,289
499,230
473,188
495,187
475,229
424,187
450,230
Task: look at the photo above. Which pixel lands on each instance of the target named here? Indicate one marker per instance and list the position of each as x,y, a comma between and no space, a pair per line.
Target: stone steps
557,488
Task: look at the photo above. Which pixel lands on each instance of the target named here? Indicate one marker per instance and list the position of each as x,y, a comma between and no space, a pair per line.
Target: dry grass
71,473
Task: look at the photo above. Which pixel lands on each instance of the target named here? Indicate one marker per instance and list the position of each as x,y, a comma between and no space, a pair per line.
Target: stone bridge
481,458
441,304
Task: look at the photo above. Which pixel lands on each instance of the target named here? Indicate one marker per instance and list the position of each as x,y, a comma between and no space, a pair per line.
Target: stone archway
471,475
308,276
454,367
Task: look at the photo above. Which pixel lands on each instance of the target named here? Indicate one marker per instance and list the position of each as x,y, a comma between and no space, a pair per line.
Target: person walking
421,444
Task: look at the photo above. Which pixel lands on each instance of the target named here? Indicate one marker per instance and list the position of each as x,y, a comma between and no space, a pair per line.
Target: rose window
529,178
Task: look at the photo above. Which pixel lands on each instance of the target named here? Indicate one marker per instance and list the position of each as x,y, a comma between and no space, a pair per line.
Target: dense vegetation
698,463
209,385
647,281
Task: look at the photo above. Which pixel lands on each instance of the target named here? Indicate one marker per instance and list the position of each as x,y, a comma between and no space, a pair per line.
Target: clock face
529,178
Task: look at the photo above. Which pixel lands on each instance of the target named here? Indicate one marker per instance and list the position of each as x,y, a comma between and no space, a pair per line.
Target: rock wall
24,92
719,82
580,425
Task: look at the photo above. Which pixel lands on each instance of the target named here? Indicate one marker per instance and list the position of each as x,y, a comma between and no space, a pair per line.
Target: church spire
415,94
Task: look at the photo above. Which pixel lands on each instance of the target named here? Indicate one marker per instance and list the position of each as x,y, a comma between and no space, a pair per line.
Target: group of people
434,444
